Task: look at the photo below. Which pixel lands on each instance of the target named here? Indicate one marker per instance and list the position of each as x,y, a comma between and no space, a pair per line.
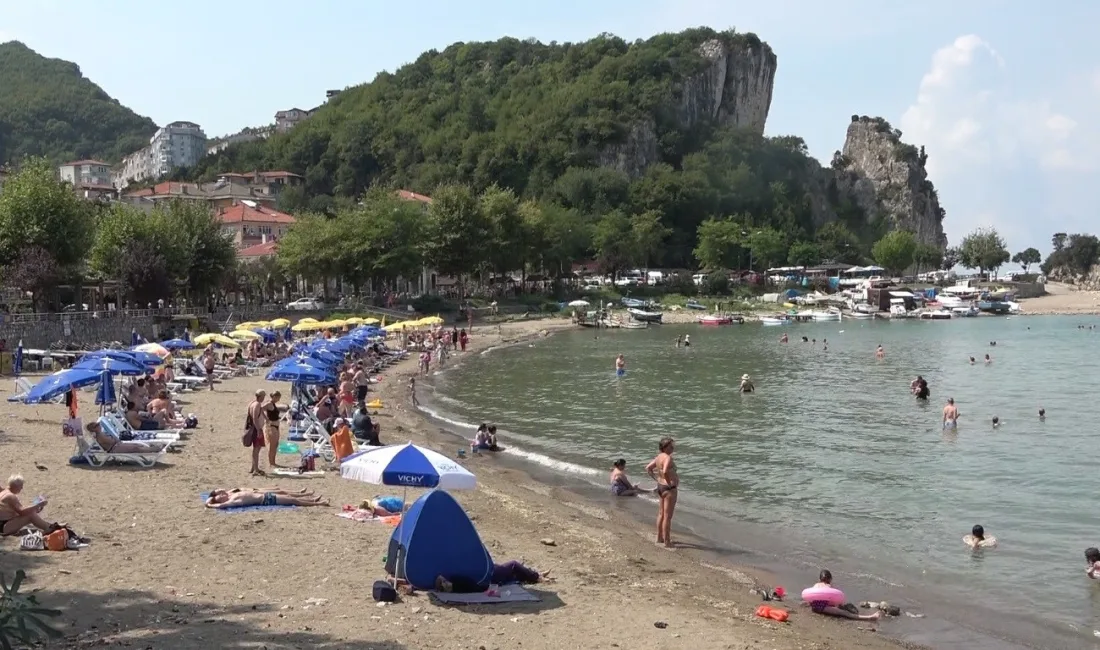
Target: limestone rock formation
887,179
735,88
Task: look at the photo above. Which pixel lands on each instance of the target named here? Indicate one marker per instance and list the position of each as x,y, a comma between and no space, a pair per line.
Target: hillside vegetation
48,108
533,118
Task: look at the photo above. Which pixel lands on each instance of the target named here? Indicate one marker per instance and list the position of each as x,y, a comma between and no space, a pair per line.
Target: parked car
306,304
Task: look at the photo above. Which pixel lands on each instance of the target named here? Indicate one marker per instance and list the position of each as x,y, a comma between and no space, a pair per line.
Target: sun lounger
23,386
96,456
114,424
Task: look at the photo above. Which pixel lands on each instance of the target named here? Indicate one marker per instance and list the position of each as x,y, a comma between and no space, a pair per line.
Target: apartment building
179,144
260,187
86,172
288,119
218,145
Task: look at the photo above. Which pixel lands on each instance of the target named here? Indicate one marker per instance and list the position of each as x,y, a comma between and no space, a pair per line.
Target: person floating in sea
1092,556
746,385
880,353
920,388
978,539
988,359
971,360
1042,414
996,422
805,339
824,345
620,365
687,340
950,414
783,339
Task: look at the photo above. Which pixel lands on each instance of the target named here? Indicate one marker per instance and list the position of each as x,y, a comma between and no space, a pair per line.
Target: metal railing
36,317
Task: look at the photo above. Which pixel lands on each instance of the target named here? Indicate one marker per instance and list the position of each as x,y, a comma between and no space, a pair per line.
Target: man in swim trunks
620,365
950,414
222,500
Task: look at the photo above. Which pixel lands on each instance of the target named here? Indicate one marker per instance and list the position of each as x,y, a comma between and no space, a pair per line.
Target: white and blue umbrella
407,466
111,365
178,344
300,373
136,357
17,362
323,366
106,395
59,383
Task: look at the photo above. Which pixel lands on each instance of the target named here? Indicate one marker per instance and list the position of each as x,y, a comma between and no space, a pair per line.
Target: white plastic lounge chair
23,386
319,435
98,457
115,423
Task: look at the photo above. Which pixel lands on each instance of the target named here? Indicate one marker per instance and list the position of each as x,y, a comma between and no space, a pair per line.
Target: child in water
978,539
1092,556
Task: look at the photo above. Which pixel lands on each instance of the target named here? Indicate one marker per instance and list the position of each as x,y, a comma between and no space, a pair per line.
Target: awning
901,294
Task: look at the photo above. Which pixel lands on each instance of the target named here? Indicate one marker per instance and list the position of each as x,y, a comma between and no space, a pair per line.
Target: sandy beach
1063,299
163,572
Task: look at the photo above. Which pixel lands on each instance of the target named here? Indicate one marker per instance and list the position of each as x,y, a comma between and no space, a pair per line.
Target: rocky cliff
887,180
734,88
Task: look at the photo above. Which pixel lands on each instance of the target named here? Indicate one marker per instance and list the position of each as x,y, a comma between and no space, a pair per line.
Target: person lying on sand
382,506
14,516
509,573
978,539
286,493
223,500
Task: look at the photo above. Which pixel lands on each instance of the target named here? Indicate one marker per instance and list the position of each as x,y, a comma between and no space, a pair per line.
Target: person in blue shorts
620,365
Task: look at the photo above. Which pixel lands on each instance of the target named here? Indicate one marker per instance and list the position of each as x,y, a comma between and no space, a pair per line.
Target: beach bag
32,541
71,428
384,592
191,422
250,432
58,540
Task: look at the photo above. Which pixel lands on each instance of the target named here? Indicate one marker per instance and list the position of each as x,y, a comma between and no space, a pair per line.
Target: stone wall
80,333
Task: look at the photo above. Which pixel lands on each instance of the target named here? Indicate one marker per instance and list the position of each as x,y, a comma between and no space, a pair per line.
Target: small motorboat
935,314
644,316
634,303
965,311
829,315
633,325
695,304
715,319
775,320
860,315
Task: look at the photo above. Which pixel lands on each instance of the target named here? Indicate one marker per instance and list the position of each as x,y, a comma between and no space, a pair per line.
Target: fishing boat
633,325
634,303
644,316
695,304
935,314
714,319
775,320
991,306
829,315
965,311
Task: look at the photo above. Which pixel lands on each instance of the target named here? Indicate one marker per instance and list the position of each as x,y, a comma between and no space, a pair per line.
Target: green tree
206,252
1027,257
649,236
1058,241
719,244
895,251
983,249
558,237
951,258
392,234
36,209
613,240
804,253
838,243
298,251
768,247
500,210
927,256
139,251
457,232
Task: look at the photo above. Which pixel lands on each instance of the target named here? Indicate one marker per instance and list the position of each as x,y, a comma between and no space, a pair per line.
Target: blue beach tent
436,538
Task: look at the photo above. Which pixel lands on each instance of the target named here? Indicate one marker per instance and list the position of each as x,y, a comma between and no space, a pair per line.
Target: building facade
86,172
179,144
288,119
248,223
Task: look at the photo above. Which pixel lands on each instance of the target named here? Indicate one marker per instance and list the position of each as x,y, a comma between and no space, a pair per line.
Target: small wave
436,415
552,463
490,349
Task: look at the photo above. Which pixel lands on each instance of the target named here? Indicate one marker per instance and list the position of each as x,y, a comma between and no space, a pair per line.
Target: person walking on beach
454,338
255,420
208,365
950,414
620,365
662,469
463,338
412,391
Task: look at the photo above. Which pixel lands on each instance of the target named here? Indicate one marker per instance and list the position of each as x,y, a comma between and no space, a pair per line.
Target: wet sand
163,572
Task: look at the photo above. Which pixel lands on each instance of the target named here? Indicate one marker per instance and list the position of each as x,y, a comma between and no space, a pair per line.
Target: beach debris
883,606
546,541
40,467
660,625
316,601
912,615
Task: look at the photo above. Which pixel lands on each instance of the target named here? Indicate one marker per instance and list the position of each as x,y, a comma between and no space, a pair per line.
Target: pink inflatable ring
828,595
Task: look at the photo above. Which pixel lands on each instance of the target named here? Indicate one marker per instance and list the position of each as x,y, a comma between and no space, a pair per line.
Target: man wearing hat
746,385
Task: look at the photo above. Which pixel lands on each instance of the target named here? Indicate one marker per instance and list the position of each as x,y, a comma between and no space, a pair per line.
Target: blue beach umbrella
106,393
131,356
17,362
309,361
61,382
269,335
326,355
409,466
178,344
300,373
111,365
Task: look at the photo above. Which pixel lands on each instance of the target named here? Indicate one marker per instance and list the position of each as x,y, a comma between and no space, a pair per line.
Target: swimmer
971,360
988,360
620,365
993,343
746,385
880,353
950,414
679,340
783,339
996,422
805,339
1092,556
920,388
978,539
687,340
825,581
1042,414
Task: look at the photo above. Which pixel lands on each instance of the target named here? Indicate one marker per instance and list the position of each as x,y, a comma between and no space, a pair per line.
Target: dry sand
163,572
1062,299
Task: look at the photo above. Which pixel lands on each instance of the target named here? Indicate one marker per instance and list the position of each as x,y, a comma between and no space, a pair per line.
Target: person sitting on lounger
222,500
113,445
162,410
14,516
137,422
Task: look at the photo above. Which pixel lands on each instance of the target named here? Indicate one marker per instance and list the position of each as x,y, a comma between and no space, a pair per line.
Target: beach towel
206,495
504,594
285,472
367,515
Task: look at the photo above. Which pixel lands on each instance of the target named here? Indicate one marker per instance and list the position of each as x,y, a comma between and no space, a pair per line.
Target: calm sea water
832,450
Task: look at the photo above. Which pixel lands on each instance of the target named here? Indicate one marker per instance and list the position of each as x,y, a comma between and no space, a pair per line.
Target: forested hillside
48,108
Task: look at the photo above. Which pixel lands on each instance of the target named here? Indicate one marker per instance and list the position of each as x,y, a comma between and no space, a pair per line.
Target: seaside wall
80,332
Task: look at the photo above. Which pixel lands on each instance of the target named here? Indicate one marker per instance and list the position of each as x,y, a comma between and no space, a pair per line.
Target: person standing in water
920,388
988,359
783,339
950,414
746,385
620,365
687,340
679,340
880,353
662,469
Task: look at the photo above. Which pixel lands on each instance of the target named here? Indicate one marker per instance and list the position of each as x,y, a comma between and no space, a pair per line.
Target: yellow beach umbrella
431,320
279,323
307,320
306,327
397,327
216,339
370,321
246,325
154,348
334,324
244,335
354,320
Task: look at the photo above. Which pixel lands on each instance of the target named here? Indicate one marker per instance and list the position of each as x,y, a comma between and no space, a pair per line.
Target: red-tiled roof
242,213
413,196
259,250
279,174
93,186
86,162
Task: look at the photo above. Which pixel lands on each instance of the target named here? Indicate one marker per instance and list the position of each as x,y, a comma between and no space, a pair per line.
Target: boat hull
712,320
645,316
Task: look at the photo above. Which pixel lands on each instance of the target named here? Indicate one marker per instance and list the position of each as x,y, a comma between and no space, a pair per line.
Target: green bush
681,284
22,620
717,284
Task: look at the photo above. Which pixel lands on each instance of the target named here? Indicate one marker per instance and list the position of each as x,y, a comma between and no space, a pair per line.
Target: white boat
965,311
935,314
644,316
830,315
860,315
897,310
633,325
770,320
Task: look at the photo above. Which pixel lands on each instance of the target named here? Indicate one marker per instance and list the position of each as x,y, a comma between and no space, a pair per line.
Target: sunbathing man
113,445
286,493
222,500
139,423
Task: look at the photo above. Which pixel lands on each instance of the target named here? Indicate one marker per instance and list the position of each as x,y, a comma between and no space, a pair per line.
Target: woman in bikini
347,395
663,470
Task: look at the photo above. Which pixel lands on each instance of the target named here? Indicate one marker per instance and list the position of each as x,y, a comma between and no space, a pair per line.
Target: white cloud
999,154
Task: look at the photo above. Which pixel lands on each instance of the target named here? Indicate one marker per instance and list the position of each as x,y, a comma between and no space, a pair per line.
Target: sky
1000,92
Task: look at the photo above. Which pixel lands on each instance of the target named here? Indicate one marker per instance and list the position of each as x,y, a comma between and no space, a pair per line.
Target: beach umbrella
244,335
279,323
17,362
105,395
307,327
113,366
155,349
307,320
354,320
129,356
334,324
301,373
397,327
61,382
407,465
431,320
308,360
268,335
370,321
322,354
178,344
579,303
217,339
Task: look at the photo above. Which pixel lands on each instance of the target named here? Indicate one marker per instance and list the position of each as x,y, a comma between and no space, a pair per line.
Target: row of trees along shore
50,237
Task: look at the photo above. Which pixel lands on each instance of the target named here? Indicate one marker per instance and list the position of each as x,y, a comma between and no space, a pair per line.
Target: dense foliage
984,249
536,119
48,236
1076,253
48,108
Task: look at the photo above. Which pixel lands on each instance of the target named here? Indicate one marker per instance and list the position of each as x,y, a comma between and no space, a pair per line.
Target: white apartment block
86,173
179,144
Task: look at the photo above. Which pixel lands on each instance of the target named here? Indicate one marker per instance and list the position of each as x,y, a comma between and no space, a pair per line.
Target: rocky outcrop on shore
1089,281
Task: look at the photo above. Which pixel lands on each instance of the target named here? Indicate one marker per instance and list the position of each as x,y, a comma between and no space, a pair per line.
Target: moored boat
775,320
695,304
645,316
714,319
633,325
935,314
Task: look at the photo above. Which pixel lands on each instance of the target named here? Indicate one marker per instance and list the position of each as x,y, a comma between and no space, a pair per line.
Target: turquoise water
832,449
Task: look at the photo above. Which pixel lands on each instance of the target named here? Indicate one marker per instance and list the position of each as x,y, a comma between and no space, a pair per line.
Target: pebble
548,542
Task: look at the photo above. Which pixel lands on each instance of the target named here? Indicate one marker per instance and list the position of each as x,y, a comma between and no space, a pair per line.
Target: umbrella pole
400,522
